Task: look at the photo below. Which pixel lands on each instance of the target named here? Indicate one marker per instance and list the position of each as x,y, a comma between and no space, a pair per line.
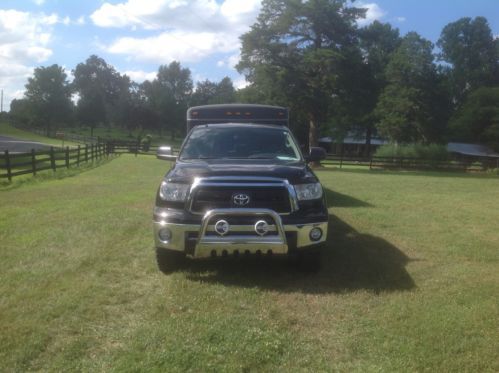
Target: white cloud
230,61
189,30
373,13
139,76
80,21
24,42
240,83
169,46
39,2
400,19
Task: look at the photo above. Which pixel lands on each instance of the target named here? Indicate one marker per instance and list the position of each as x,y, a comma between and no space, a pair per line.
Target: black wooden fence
16,164
478,164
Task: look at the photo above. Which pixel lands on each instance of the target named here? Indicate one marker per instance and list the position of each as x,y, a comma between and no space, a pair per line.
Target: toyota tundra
239,186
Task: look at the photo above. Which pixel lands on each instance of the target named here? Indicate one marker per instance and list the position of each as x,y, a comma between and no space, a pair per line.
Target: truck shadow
351,261
336,199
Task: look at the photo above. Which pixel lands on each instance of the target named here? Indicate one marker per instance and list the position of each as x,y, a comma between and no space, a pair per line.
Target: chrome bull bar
212,245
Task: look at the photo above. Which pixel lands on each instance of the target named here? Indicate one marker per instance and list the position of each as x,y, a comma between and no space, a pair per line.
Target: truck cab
240,186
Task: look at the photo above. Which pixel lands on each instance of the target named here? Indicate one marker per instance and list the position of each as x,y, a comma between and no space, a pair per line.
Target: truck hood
294,172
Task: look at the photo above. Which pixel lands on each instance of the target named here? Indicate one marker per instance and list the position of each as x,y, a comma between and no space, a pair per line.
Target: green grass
8,130
409,282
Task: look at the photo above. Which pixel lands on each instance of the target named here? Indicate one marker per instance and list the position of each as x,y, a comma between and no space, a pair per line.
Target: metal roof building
471,150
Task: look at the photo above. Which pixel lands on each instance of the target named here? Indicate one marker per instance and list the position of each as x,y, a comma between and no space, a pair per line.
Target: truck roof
237,113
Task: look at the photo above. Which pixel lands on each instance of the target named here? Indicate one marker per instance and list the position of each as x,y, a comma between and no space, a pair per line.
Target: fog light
315,234
165,234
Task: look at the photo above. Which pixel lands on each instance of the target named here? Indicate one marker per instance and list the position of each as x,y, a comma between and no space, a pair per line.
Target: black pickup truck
240,186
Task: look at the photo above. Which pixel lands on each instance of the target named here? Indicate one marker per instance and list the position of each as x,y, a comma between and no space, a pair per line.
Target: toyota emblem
222,227
240,199
261,227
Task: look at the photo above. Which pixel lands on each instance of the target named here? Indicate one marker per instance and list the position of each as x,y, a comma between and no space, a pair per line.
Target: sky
137,36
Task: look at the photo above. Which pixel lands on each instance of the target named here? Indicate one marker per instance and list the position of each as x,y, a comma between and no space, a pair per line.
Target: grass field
410,281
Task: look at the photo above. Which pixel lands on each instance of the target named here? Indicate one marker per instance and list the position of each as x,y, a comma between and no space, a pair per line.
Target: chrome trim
242,228
252,181
230,243
207,244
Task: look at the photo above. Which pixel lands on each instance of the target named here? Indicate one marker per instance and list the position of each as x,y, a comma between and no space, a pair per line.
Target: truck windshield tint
240,143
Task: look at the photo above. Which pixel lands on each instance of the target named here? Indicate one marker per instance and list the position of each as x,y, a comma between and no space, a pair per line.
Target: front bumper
201,240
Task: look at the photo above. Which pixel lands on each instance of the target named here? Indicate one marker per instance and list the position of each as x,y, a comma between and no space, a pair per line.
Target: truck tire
169,260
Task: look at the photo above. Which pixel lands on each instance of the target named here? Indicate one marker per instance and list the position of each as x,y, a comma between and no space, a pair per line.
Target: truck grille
273,197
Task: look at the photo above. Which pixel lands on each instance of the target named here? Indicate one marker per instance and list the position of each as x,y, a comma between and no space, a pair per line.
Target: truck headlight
173,192
308,191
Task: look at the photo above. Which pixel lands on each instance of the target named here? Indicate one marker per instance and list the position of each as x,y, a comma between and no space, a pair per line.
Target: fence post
67,157
78,157
86,153
341,159
33,162
92,152
7,163
137,148
52,158
371,163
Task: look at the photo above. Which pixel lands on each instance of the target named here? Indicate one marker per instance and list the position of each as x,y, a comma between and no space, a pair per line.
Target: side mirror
165,153
316,154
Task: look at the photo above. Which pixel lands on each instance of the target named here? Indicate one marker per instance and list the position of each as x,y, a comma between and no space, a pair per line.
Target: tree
204,93
100,88
170,93
294,50
469,46
21,111
48,95
208,92
364,79
478,118
406,109
224,92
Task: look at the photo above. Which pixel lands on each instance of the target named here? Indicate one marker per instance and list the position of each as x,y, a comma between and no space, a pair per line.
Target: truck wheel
169,260
309,262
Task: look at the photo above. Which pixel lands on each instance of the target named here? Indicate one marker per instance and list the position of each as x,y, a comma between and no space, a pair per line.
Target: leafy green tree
48,95
224,92
204,92
478,118
170,94
21,111
100,88
406,109
363,80
208,92
473,52
294,51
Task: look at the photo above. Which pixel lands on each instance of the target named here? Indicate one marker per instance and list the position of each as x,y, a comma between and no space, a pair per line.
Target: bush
432,152
146,143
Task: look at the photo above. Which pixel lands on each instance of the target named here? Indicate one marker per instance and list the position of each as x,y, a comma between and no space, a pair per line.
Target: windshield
240,143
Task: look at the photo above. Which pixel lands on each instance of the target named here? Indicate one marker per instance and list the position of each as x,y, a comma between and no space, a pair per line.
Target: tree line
311,56
104,97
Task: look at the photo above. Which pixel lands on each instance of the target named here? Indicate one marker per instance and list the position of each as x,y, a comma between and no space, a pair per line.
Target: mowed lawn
410,281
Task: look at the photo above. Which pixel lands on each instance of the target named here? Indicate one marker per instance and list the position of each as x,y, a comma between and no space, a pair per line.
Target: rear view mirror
165,153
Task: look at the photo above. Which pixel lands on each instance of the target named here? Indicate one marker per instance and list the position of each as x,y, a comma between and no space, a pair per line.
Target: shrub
433,152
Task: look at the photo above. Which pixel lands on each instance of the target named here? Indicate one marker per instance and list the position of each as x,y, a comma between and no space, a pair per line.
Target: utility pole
1,105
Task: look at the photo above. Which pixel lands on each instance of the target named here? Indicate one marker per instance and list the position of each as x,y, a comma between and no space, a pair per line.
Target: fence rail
17,164
482,164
